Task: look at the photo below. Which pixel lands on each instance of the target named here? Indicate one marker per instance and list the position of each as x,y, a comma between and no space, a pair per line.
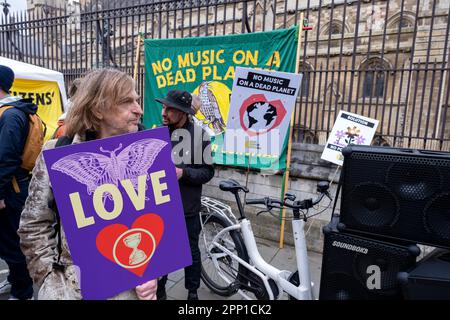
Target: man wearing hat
14,128
191,154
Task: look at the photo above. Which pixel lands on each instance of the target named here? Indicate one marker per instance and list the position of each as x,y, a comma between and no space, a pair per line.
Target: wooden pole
288,156
138,54
137,62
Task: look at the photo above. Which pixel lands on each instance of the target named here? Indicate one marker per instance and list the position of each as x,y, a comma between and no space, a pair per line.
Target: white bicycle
231,262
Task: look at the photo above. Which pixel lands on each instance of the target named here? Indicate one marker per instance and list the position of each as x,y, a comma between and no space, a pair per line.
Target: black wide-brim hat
178,99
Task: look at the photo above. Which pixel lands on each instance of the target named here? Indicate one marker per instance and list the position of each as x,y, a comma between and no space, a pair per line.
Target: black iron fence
382,59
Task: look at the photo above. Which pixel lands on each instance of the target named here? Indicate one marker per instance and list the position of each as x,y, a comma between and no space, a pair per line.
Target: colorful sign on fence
120,207
349,128
205,66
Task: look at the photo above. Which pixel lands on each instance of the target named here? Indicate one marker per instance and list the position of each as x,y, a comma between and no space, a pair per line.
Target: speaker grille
355,267
412,181
374,205
336,291
388,271
437,216
398,194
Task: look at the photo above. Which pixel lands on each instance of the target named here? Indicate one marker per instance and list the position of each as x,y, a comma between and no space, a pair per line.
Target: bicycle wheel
228,268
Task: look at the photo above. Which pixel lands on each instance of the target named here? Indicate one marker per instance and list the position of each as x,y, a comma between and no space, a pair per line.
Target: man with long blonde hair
105,105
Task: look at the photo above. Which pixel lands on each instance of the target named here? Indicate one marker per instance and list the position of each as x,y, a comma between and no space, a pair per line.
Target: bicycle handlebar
256,201
271,203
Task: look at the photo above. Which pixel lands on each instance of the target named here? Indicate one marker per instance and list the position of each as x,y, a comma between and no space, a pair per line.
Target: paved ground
280,258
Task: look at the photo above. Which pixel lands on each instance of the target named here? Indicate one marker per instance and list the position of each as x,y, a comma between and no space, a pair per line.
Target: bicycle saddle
232,186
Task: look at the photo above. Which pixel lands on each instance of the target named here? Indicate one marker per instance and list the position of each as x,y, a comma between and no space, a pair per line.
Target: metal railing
382,59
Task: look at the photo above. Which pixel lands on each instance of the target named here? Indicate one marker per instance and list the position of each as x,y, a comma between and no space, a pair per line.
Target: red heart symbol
132,248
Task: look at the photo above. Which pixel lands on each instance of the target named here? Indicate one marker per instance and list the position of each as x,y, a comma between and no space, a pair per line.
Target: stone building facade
382,59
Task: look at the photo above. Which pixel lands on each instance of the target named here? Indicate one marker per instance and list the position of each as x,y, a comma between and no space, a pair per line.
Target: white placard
349,128
260,111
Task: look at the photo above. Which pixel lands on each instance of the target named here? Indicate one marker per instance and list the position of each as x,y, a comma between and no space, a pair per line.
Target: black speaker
397,193
359,268
429,279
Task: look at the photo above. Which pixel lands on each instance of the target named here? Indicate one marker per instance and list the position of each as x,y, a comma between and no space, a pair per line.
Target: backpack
34,141
62,141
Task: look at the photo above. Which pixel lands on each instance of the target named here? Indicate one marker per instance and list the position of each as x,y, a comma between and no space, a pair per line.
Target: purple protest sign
120,206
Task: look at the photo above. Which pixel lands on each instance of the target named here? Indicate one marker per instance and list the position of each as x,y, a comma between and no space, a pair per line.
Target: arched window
374,83
306,70
334,27
374,72
405,19
405,23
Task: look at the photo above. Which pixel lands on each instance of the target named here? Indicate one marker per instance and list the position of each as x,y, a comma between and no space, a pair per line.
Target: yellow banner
46,95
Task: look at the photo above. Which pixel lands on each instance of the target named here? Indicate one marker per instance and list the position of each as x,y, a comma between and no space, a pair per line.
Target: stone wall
306,170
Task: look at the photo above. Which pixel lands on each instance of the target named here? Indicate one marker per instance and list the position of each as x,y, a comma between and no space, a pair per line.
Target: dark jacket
196,170
13,134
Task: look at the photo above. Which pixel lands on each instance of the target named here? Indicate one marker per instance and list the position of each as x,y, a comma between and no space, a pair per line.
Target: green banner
205,67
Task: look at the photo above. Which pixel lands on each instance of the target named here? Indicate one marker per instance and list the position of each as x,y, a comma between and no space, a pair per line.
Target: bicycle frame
261,268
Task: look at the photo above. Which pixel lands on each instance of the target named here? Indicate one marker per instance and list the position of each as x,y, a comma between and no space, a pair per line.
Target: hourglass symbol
132,239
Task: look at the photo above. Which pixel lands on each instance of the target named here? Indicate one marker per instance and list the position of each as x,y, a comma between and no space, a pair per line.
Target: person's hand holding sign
147,291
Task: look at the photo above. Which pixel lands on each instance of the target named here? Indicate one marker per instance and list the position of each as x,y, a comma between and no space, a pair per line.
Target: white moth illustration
95,169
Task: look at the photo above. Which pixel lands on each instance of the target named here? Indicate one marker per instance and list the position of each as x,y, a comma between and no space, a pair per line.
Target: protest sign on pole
121,211
349,128
205,66
260,111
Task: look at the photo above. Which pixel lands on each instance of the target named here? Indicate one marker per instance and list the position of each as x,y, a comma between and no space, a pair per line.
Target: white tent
28,71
